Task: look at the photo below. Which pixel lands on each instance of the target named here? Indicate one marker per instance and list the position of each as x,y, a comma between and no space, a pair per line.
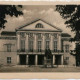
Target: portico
35,41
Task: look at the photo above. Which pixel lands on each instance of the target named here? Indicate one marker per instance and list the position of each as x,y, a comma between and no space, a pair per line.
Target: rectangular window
67,58
39,46
8,47
55,46
47,45
39,35
31,35
47,36
22,35
22,45
31,46
66,48
8,59
55,36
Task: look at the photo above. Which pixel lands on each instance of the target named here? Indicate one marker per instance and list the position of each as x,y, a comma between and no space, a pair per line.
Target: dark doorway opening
57,59
40,59
31,59
23,59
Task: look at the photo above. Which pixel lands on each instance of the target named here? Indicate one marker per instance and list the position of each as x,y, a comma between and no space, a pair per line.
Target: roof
31,26
8,33
65,35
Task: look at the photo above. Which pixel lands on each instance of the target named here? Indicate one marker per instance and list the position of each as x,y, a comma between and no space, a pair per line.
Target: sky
33,12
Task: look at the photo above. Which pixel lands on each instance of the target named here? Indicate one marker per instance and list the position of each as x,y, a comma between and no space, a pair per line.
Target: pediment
39,25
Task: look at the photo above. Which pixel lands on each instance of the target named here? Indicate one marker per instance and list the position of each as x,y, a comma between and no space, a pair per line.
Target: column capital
51,34
18,33
35,33
27,33
43,34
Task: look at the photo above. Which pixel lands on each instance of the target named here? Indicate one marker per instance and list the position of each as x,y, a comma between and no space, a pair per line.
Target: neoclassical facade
26,46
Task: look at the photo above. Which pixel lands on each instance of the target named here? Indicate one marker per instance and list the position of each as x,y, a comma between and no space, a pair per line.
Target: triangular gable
32,26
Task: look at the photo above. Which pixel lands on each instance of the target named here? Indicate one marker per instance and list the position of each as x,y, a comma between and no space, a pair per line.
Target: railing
53,51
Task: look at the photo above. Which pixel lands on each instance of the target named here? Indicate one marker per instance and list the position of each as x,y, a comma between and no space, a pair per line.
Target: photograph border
40,75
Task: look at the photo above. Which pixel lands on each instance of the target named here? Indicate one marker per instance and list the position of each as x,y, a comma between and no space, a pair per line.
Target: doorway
31,59
57,59
23,59
40,59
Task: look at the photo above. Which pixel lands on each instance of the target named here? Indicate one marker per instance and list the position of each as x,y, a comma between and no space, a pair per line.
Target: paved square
39,69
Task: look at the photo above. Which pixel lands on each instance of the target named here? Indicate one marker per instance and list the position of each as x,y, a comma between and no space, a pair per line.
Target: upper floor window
8,47
30,45
30,35
66,48
39,35
47,35
23,45
39,46
47,45
39,25
55,46
55,36
22,34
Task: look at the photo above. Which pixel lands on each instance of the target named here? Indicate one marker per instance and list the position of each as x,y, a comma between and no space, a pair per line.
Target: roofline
36,21
40,30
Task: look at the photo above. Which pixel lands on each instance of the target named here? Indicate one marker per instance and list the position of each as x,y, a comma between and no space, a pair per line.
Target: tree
11,10
71,13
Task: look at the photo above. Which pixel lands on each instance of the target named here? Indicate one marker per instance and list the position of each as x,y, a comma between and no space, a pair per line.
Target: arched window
39,25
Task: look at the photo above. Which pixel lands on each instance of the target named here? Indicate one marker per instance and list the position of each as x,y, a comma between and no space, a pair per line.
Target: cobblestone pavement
38,69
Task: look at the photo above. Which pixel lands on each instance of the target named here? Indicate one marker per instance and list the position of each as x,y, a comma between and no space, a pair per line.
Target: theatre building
26,46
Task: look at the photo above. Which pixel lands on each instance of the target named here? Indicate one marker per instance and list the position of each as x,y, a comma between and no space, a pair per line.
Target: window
66,48
47,45
31,35
31,46
22,45
39,46
47,36
8,47
67,58
22,34
39,35
55,36
39,25
8,59
55,46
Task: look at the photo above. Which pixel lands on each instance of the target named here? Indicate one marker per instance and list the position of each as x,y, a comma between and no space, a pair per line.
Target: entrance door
58,59
23,59
31,59
40,59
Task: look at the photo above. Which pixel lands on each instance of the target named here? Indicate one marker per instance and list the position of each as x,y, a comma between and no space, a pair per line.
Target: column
59,42
62,60
18,59
36,59
27,56
35,42
53,59
18,41
43,42
51,42
26,42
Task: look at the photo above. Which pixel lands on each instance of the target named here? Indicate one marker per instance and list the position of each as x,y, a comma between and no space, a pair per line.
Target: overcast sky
33,12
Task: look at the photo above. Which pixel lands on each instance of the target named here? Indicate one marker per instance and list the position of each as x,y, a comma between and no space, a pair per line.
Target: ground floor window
8,59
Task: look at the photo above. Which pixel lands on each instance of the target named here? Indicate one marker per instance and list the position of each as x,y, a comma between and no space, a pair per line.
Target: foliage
11,10
71,13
